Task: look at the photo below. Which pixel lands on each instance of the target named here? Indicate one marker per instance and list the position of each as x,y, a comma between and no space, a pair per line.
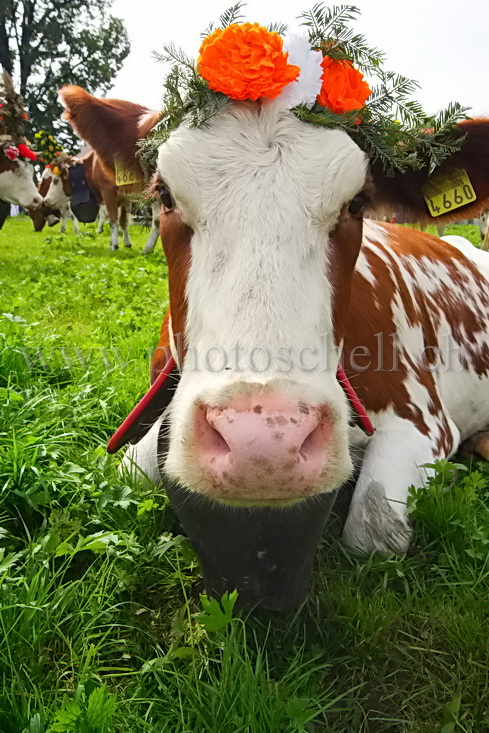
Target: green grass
99,590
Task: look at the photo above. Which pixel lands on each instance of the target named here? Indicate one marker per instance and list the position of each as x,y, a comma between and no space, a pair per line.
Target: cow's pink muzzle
263,449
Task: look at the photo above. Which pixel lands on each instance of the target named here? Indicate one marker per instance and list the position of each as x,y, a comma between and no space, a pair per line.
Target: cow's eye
166,198
357,205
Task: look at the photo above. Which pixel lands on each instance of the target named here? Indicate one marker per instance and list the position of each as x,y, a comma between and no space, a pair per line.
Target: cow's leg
393,462
76,226
64,221
109,196
124,222
102,218
155,228
141,459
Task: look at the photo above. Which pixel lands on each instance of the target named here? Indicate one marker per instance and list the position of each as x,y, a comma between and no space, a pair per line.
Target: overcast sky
443,44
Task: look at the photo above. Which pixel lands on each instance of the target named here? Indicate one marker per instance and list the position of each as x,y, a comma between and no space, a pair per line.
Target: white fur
141,460
56,197
17,186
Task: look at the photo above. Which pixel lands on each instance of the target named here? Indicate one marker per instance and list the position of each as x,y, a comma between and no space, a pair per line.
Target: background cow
45,214
118,205
16,170
17,180
115,140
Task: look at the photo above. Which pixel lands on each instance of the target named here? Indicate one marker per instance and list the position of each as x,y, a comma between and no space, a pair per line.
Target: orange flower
344,87
245,62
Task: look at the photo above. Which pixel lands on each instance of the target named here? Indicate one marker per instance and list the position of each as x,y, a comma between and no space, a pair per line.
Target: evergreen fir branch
207,31
328,30
175,55
231,15
326,118
447,118
280,28
322,20
391,91
377,146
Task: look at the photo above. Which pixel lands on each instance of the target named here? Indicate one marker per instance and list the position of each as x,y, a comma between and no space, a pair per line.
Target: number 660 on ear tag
448,190
124,176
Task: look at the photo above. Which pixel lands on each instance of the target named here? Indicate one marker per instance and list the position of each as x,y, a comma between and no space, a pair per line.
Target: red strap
120,436
362,417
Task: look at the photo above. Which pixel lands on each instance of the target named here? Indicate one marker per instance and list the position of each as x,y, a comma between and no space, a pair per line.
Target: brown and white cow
118,205
113,127
273,277
45,214
17,178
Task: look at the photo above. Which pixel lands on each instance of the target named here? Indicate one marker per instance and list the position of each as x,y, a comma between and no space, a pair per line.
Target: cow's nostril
210,440
218,443
313,444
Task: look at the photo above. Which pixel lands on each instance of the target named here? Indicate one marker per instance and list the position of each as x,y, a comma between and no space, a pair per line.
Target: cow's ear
111,127
403,194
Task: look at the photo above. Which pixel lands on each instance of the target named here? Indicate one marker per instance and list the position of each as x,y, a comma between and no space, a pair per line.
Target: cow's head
43,214
17,176
58,185
261,226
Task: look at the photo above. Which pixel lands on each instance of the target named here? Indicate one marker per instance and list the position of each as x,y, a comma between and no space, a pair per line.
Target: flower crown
319,75
47,146
12,119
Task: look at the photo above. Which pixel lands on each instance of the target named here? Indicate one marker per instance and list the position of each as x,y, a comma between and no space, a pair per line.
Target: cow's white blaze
56,197
17,186
261,192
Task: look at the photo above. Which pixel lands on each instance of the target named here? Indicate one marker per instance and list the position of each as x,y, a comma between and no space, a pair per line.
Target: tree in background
47,43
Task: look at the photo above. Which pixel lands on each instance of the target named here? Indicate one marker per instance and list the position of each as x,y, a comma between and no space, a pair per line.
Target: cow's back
417,340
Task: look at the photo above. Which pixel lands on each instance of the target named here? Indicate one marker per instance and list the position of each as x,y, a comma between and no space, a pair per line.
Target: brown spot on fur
258,409
5,163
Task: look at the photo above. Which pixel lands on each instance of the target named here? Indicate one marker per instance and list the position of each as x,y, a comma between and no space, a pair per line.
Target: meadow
103,626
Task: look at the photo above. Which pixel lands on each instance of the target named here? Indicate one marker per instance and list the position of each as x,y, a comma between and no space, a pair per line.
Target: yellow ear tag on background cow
124,176
446,191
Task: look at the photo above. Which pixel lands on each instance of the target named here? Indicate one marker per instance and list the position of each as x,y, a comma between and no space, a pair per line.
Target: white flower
306,88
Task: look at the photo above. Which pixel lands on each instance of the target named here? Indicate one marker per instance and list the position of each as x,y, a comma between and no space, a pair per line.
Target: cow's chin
275,493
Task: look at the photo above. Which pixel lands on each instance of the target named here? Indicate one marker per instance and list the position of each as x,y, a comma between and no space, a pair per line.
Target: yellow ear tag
124,176
448,190
56,171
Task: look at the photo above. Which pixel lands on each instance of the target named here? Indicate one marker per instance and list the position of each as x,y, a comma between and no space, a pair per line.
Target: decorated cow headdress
317,73
13,117
49,149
